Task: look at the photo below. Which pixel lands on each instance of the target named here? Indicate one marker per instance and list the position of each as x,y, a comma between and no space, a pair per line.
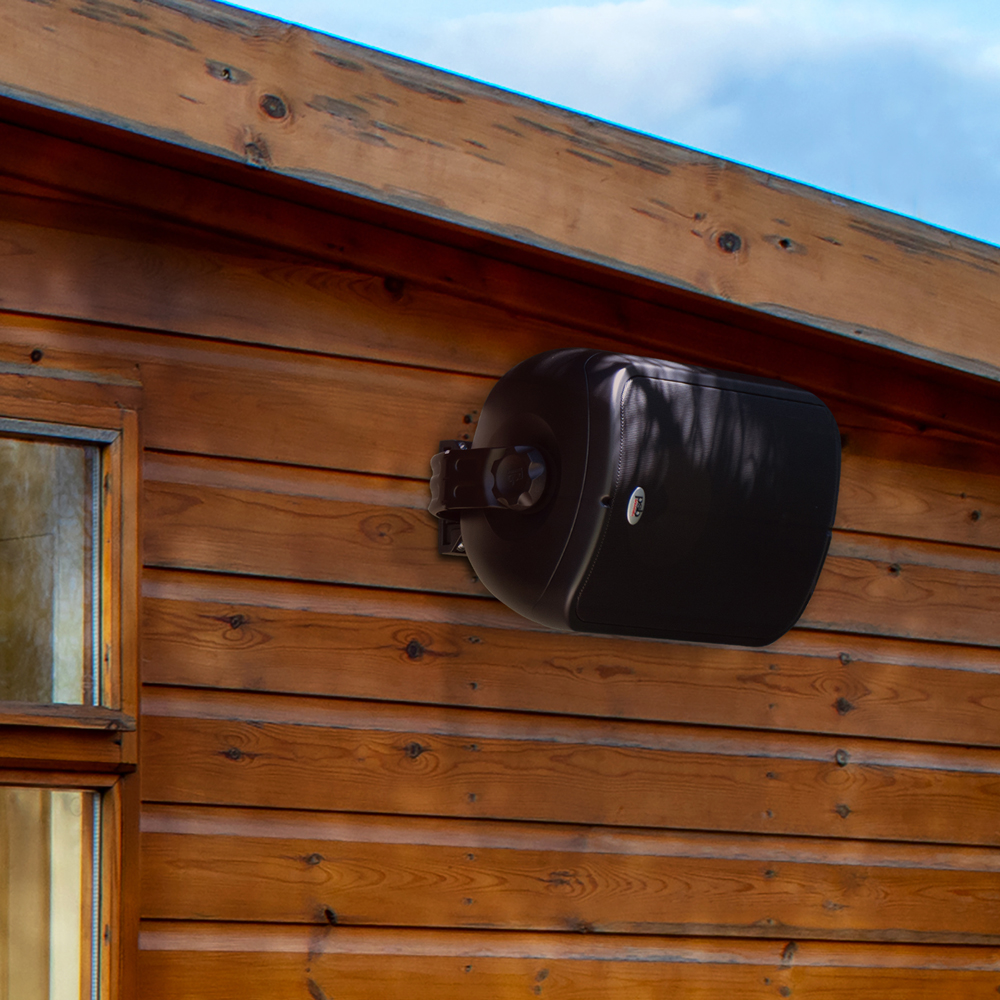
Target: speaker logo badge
636,503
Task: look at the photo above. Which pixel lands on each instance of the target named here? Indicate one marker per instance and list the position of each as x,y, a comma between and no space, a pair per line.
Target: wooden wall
364,778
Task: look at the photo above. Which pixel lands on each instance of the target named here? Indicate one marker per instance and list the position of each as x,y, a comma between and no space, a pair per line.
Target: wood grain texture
61,747
252,750
470,612
225,962
624,200
131,269
267,867
65,716
299,538
916,590
906,497
273,406
300,651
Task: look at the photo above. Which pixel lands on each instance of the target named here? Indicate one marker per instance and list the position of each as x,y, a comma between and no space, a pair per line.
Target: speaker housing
679,502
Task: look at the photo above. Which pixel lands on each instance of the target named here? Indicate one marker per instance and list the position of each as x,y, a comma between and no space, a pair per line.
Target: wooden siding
364,778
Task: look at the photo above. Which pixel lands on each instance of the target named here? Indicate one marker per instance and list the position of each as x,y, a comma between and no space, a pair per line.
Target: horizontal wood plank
258,962
113,272
310,650
25,746
912,496
298,538
233,865
253,750
628,202
273,406
171,585
282,528
916,590
59,716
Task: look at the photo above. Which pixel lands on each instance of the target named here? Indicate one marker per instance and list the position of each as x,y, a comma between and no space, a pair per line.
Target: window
68,690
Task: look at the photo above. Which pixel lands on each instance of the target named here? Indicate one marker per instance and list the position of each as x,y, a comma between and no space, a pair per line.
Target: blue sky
889,102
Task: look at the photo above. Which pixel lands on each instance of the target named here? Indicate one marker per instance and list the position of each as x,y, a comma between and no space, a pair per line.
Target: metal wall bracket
449,528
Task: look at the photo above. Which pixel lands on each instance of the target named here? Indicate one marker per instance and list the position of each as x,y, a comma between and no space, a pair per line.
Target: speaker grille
739,495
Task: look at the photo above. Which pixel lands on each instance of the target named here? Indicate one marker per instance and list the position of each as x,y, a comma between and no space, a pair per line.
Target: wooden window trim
99,744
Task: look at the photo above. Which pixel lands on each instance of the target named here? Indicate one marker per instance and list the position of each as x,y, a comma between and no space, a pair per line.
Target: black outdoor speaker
617,494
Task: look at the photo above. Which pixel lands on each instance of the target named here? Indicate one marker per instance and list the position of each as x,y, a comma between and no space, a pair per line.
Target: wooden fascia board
216,79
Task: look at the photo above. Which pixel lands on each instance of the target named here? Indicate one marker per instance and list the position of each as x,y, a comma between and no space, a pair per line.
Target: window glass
48,840
49,569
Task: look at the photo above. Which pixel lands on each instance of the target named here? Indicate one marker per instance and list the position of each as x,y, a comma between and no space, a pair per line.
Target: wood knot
237,621
414,750
729,242
395,287
256,152
273,106
843,706
843,811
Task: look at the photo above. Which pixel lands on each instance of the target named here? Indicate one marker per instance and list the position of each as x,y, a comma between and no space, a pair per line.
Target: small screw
36,356
895,569
842,757
975,515
414,650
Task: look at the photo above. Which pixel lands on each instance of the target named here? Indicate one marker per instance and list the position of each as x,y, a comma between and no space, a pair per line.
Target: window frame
86,747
